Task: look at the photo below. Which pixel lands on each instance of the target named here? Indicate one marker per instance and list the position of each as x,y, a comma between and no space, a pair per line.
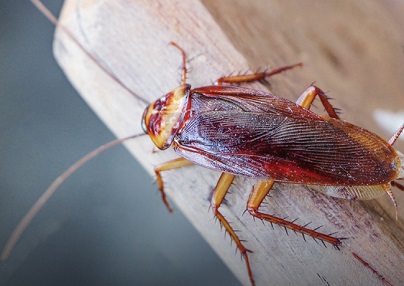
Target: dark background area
106,225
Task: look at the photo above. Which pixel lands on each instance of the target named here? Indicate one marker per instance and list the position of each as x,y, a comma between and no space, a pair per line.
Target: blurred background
106,225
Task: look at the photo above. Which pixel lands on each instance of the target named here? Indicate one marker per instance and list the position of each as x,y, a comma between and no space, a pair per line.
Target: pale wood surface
352,49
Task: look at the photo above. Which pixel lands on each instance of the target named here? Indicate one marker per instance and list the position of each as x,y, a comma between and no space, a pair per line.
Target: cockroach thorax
162,118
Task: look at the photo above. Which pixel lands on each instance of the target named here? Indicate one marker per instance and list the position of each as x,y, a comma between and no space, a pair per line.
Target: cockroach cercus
245,132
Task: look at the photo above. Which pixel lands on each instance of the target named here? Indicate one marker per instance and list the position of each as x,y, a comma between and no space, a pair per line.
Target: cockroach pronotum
277,141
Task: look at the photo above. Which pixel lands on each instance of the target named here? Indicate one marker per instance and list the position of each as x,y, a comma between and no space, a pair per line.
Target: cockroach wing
351,192
246,132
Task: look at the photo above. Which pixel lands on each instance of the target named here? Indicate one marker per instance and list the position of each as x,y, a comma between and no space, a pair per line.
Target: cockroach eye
144,127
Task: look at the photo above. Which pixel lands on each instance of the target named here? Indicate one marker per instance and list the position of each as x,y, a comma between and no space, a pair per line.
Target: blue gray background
106,225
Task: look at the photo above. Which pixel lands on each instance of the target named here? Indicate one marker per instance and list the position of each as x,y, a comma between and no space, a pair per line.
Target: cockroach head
162,119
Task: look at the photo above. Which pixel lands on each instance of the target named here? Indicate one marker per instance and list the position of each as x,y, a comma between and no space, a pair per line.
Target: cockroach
246,132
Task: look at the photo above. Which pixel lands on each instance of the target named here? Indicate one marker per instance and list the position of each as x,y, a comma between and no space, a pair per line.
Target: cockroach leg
308,96
367,265
219,193
397,185
184,62
258,194
387,188
395,136
254,76
170,165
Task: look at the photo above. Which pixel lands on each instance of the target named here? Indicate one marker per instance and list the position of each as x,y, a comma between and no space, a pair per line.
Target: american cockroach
274,143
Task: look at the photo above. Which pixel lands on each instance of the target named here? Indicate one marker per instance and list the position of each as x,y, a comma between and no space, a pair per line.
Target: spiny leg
308,96
387,188
219,193
234,79
258,194
170,165
254,76
395,136
367,265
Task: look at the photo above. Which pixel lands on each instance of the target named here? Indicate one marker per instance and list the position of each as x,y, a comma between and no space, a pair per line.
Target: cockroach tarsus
245,132
374,271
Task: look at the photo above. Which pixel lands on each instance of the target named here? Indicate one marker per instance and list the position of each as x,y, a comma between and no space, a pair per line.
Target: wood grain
352,49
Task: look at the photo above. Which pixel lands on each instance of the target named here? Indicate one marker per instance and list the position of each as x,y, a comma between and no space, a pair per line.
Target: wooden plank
348,48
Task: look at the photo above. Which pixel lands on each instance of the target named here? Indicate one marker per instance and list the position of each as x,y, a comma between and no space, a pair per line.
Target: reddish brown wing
256,134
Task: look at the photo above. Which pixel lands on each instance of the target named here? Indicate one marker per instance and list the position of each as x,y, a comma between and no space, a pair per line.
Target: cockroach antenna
48,14
51,190
54,186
